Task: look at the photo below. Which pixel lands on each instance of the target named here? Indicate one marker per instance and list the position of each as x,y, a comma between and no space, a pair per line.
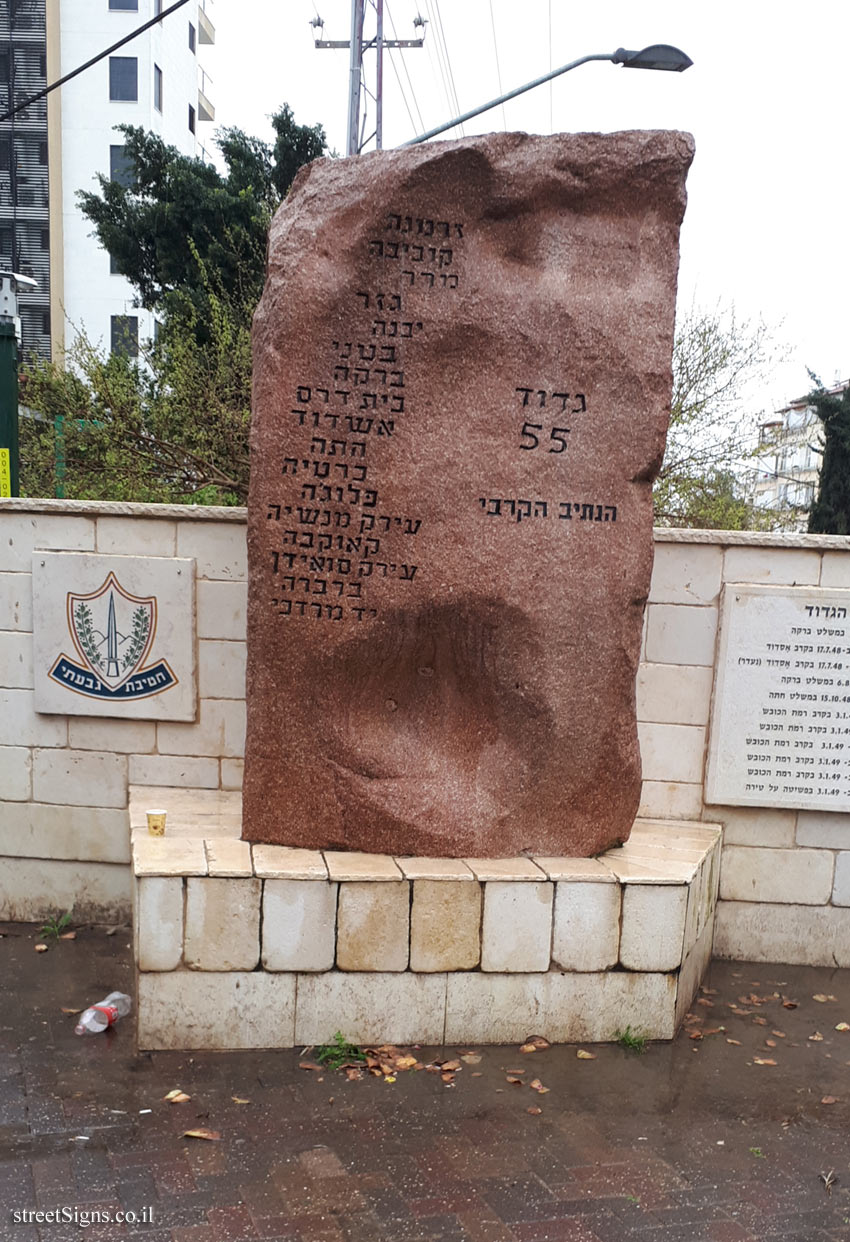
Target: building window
5,66
45,323
42,64
5,154
6,242
42,153
125,335
157,7
157,88
120,166
191,37
123,78
127,6
45,239
191,119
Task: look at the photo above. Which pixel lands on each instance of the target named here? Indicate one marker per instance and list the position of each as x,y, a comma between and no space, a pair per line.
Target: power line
551,84
434,55
404,67
446,49
94,60
443,57
498,67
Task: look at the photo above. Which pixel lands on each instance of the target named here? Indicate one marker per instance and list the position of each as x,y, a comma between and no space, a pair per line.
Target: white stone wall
785,884
64,823
785,875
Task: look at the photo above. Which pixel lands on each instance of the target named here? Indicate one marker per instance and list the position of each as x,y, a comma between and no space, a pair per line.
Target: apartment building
58,146
788,461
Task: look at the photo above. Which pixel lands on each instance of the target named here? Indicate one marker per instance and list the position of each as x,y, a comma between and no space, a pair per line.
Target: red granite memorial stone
462,386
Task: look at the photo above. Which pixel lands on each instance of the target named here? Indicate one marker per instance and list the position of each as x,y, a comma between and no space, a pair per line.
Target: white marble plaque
114,635
780,725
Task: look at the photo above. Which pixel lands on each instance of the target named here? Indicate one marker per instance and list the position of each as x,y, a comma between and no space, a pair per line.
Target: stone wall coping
657,852
123,508
238,515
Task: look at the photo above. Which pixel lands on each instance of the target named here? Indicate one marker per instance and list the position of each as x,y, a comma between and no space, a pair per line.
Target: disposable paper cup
156,823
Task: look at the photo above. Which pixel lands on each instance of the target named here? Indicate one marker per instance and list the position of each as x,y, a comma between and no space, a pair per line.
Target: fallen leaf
760,1021
449,1067
406,1063
829,1179
708,991
523,1048
471,1058
823,997
391,1078
212,1136
780,1034
736,1042
177,1096
817,1038
789,1004
537,1085
40,948
709,1004
68,936
64,1010
477,1074
309,1065
829,1099
842,1026
538,1041
534,1110
237,1099
353,1074
771,1043
514,1081
695,1035
514,1071
763,1061
583,1055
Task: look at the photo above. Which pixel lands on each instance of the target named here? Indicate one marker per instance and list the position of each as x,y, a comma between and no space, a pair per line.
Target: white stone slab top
190,812
355,866
279,862
504,869
168,856
226,857
582,869
434,869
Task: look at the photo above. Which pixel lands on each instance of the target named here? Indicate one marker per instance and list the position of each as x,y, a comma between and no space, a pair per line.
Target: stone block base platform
241,946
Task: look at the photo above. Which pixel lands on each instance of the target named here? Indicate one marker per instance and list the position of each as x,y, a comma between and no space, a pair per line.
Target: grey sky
766,226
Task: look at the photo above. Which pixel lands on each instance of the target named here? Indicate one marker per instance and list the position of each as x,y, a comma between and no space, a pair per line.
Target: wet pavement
704,1138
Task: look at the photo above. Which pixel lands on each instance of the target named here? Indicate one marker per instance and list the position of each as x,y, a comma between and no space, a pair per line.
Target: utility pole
357,46
10,335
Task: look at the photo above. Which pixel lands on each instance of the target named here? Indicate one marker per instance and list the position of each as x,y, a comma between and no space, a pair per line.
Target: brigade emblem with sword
113,633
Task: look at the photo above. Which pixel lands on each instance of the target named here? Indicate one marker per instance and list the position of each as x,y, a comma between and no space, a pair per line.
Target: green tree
174,429
178,226
719,364
193,242
830,513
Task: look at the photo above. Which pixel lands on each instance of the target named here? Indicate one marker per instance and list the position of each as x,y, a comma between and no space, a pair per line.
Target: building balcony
206,109
206,30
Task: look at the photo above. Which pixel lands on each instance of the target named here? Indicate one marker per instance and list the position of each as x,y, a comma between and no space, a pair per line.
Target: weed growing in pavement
54,928
631,1040
338,1052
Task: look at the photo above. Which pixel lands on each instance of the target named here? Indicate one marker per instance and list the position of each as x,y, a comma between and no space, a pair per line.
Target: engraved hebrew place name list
780,731
462,381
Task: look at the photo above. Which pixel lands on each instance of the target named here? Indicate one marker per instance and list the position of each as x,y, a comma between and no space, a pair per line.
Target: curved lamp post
657,56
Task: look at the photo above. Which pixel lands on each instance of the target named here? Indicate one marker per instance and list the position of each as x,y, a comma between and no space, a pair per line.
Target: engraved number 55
557,435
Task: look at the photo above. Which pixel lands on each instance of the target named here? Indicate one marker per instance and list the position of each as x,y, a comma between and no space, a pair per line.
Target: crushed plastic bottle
98,1017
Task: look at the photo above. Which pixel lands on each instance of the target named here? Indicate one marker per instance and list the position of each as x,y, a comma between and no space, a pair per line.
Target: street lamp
657,56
